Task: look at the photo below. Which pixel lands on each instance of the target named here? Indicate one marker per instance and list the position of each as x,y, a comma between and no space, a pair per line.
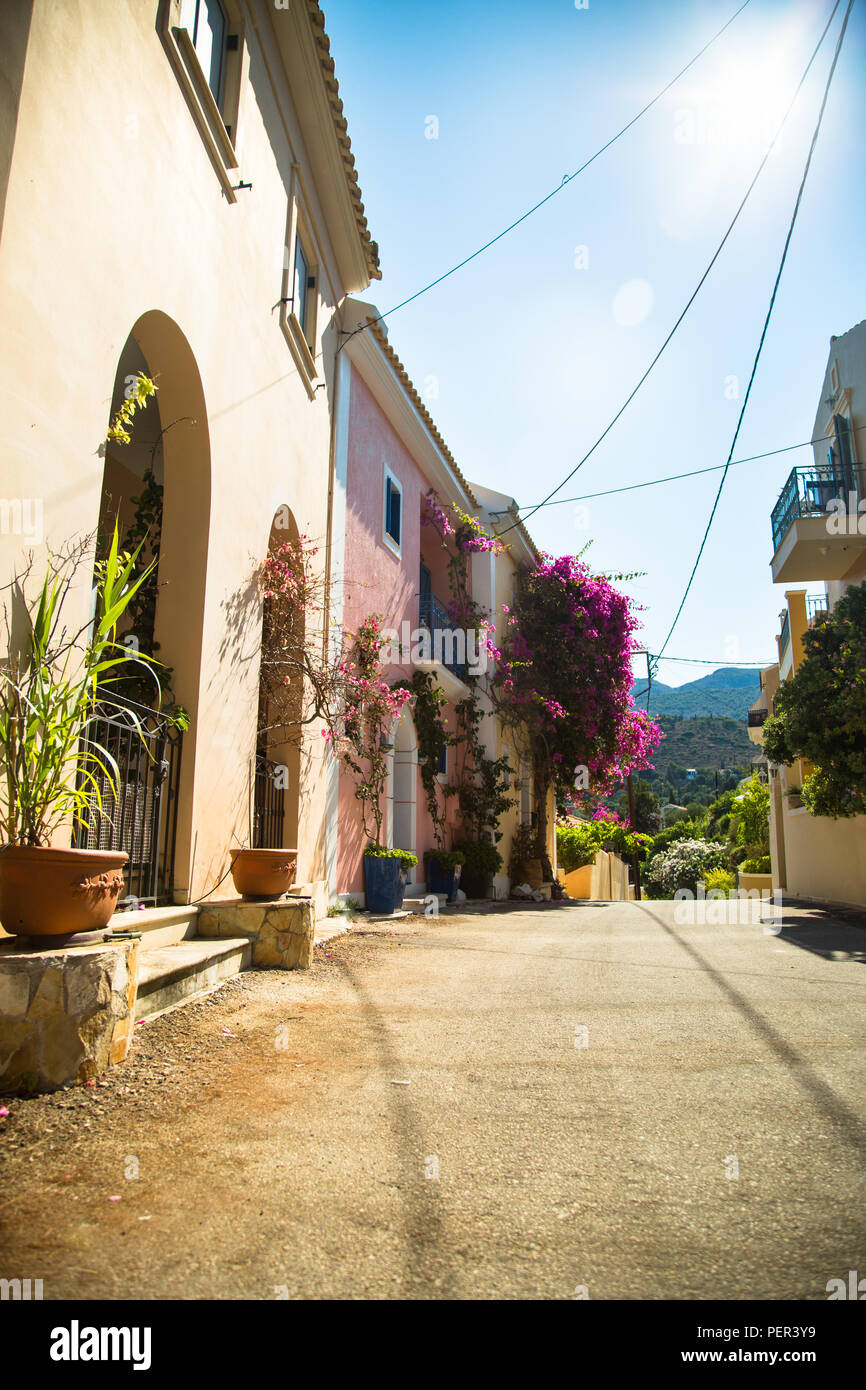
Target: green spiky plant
51,687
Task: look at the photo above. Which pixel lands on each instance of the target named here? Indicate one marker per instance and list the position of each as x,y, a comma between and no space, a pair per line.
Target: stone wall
282,932
65,1013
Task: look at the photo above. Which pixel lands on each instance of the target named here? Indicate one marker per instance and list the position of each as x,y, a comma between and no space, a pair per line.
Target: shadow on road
850,1126
422,1206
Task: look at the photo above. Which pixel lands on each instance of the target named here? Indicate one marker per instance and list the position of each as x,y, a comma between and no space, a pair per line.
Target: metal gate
139,814
269,805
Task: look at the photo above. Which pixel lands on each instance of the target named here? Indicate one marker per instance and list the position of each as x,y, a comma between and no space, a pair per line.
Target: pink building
389,456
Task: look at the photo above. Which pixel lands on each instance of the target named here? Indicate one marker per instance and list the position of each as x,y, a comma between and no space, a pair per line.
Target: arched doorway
279,734
159,486
404,785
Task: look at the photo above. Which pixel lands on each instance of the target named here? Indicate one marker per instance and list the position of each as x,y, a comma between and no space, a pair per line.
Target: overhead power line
693,296
693,473
566,180
769,315
704,661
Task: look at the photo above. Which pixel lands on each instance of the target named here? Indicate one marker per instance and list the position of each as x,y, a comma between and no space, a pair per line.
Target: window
302,298
205,21
204,42
393,510
443,761
299,300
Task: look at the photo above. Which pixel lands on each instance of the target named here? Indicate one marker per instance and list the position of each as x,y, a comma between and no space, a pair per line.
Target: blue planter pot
382,885
441,880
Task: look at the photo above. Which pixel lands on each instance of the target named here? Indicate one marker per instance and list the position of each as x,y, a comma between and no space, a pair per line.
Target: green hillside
704,741
727,691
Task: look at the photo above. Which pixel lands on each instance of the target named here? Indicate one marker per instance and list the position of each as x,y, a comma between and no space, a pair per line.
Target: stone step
159,926
170,975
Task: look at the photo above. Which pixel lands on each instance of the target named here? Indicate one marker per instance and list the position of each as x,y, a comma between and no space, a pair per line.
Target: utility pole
635,861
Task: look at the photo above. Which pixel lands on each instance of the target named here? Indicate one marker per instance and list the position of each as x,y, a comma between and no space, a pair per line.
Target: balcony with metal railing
817,607
814,522
448,643
808,492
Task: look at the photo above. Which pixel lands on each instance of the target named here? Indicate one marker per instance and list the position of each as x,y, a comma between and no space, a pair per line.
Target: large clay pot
263,873
55,892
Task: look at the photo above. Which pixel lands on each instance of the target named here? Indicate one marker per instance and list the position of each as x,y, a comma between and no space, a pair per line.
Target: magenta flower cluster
567,665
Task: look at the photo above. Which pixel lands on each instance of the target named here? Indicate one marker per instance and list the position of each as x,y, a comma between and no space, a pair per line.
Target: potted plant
481,862
384,871
443,869
52,687
259,871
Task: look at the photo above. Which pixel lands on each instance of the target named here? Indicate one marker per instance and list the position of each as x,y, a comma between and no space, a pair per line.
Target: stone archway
171,441
279,735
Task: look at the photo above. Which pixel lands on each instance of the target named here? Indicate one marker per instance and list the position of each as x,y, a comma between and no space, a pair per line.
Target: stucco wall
824,858
378,581
115,216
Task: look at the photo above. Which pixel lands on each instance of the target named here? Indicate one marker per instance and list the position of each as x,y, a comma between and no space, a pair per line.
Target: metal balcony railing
140,815
757,717
817,606
448,641
785,635
807,493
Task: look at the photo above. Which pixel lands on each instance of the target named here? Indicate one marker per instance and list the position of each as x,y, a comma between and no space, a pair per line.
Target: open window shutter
843,444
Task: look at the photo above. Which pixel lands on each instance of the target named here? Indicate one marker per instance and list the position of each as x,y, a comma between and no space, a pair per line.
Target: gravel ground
509,1104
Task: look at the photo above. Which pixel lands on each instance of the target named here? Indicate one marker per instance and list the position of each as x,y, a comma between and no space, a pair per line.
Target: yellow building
819,535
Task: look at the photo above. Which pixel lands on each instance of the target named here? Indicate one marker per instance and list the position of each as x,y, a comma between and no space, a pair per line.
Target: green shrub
577,845
720,878
448,858
407,859
681,866
479,858
682,830
763,865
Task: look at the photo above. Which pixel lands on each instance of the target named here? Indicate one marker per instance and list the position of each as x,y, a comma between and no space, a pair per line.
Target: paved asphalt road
514,1105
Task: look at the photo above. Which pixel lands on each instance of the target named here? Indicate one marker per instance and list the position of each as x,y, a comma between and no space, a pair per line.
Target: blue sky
525,355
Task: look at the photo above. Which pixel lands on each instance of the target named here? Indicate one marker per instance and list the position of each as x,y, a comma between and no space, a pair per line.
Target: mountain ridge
728,691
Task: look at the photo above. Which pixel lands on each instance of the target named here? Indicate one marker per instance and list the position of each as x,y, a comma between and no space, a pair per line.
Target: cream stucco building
819,538
179,198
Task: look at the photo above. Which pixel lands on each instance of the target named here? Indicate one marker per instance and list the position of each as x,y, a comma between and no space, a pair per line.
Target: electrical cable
567,179
693,473
628,400
769,313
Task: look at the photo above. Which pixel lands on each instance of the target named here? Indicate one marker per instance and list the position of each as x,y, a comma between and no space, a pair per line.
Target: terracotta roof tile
323,47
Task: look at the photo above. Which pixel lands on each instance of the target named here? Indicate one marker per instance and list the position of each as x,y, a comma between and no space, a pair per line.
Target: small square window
393,510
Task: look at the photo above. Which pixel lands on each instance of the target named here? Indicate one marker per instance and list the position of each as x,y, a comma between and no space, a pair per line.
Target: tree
646,807
820,713
565,678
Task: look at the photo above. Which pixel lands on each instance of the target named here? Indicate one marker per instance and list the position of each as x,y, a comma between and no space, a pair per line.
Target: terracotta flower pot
263,873
54,892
